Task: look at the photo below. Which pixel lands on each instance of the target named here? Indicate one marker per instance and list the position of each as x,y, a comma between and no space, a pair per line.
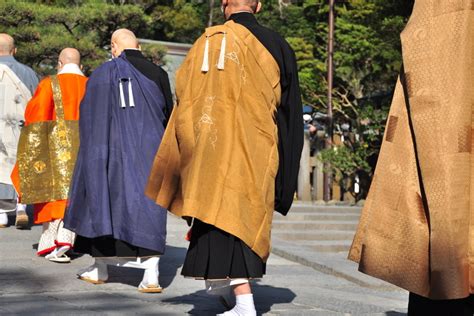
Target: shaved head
7,45
230,7
123,39
70,56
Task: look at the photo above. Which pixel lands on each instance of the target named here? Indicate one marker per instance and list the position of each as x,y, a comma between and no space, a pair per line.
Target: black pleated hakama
214,254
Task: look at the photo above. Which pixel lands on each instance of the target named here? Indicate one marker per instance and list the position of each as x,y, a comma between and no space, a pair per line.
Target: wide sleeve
290,134
41,106
89,191
166,89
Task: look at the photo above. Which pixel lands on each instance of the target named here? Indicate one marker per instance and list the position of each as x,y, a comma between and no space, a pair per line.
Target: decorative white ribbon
122,96
220,64
130,94
205,60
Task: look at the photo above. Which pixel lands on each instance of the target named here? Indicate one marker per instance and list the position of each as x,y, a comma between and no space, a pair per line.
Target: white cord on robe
130,94
205,60
220,64
122,96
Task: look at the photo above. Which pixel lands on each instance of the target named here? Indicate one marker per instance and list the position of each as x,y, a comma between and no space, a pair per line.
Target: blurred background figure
17,84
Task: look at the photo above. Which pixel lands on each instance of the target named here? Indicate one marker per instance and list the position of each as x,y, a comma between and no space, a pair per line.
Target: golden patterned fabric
46,155
426,247
219,155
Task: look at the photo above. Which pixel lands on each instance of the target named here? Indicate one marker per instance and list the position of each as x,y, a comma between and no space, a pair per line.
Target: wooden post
330,77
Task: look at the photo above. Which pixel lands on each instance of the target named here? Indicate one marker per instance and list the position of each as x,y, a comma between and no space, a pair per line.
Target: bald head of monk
69,56
123,39
7,45
230,7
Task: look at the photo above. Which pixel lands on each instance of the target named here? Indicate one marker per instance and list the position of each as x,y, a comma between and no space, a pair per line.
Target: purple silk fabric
118,146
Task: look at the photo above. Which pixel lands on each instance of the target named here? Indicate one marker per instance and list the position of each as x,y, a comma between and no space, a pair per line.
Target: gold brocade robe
219,157
416,230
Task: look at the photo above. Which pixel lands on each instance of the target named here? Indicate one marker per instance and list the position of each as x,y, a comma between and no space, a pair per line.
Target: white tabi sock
150,277
20,208
3,219
62,250
244,306
97,271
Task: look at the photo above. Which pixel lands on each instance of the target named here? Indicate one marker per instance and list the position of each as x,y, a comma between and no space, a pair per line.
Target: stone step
326,235
314,225
329,246
335,264
325,246
298,208
319,216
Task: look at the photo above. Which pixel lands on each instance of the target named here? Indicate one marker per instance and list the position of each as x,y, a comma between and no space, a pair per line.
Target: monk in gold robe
230,154
417,226
55,240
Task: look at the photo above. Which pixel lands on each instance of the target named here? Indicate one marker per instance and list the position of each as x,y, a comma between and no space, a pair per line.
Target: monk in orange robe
55,240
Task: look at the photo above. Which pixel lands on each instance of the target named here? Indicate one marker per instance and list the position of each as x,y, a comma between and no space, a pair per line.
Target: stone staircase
320,237
324,229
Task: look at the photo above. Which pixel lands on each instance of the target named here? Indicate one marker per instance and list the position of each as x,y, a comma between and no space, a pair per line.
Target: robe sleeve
166,89
38,109
41,106
290,134
90,185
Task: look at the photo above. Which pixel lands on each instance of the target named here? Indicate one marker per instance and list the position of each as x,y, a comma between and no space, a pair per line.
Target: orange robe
41,108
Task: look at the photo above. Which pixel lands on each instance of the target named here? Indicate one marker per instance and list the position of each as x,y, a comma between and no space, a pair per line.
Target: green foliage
41,31
367,54
180,22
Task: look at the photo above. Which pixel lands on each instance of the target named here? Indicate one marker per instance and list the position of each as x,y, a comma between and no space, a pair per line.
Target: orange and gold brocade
41,108
426,248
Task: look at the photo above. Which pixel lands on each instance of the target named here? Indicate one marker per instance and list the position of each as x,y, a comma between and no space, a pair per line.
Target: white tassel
220,64
122,96
131,100
205,60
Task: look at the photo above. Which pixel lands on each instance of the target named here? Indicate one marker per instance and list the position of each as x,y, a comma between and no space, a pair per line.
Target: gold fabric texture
47,153
219,157
426,248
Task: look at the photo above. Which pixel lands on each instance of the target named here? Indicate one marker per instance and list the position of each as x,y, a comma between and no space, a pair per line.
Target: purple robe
121,126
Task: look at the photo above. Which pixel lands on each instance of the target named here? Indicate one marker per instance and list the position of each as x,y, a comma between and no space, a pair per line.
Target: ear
139,47
14,51
259,7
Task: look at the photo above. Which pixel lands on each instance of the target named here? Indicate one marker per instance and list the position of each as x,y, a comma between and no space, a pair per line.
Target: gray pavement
30,285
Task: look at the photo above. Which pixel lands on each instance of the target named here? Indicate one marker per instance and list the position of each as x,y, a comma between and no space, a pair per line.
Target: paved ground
30,285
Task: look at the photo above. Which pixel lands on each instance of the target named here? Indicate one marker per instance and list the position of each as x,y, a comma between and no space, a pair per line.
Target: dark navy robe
120,133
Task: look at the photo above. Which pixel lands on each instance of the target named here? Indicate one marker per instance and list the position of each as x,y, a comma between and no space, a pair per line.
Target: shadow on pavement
394,314
46,296
265,297
170,262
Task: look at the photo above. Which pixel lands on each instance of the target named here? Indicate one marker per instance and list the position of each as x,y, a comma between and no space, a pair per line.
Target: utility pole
330,78
211,13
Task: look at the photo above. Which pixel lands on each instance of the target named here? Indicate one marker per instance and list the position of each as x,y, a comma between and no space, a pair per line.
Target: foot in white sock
59,255
149,283
244,306
95,274
21,220
3,220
